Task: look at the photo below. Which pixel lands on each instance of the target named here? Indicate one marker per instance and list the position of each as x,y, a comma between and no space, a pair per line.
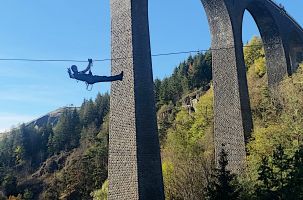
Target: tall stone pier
233,122
134,154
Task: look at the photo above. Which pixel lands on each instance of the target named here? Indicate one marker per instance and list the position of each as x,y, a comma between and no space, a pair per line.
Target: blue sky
77,29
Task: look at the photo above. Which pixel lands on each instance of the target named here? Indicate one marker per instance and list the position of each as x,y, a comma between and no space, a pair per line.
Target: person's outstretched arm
70,73
90,62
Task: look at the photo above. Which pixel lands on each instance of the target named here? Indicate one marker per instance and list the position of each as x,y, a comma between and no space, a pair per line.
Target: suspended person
89,78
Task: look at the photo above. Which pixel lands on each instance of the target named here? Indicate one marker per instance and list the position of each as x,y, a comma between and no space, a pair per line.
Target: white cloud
8,120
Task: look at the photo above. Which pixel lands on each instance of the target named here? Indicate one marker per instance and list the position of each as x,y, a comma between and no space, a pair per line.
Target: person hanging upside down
90,78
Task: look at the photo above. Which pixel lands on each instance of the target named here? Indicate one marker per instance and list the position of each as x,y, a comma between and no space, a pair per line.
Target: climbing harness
90,65
89,88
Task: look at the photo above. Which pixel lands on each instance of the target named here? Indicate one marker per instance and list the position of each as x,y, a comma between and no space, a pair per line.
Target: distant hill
51,118
2,135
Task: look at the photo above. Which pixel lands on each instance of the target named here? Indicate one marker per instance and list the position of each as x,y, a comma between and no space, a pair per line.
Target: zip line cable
124,58
39,60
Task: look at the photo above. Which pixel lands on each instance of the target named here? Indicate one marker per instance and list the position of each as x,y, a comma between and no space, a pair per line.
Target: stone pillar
232,114
134,155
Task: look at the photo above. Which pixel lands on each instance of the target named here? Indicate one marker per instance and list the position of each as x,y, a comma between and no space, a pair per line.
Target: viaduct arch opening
167,34
255,64
272,42
295,42
272,39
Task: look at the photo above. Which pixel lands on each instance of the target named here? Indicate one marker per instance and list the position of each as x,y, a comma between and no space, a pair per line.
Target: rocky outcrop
51,118
190,101
54,163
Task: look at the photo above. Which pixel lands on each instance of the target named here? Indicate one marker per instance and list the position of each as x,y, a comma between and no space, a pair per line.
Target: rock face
50,118
51,165
134,153
190,101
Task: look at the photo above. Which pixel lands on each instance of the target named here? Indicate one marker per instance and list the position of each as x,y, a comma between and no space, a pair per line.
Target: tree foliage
80,134
187,151
254,52
223,185
102,193
281,177
189,75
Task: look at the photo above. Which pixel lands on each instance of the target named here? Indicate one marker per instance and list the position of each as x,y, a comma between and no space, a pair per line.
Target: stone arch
295,48
233,120
276,61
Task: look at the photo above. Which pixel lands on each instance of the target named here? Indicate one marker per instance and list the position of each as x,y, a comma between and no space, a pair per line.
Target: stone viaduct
134,155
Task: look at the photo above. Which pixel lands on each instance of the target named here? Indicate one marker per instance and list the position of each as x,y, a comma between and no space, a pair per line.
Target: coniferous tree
282,177
224,184
282,164
102,107
266,176
88,113
75,125
67,132
294,188
9,185
45,133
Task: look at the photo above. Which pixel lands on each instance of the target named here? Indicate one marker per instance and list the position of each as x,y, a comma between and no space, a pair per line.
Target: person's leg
95,79
118,77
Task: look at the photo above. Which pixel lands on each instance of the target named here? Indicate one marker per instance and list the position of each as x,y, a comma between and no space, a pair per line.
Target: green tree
9,185
157,86
192,74
266,175
223,186
67,132
253,51
260,67
102,107
88,113
27,195
281,166
280,177
187,155
102,193
294,187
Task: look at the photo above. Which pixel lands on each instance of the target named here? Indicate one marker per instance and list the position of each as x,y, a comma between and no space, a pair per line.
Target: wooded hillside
69,160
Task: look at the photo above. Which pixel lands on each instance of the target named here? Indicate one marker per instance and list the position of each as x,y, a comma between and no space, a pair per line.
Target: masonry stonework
134,154
232,113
